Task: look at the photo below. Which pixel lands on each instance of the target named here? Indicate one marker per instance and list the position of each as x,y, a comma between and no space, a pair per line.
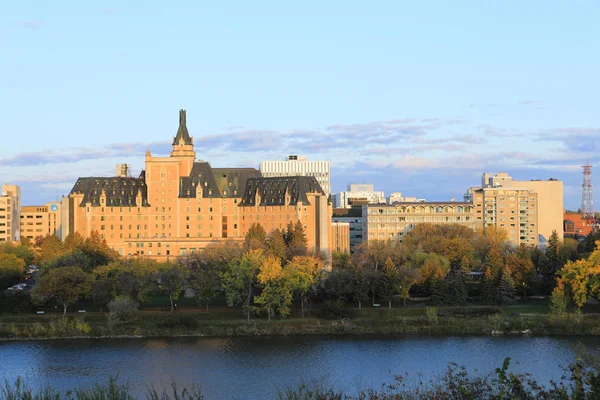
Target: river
255,368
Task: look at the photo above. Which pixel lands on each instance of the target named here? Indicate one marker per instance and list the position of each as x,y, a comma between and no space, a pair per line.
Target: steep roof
182,132
215,182
273,191
119,191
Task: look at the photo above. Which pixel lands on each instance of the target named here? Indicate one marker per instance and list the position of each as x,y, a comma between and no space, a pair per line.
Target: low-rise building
393,221
575,225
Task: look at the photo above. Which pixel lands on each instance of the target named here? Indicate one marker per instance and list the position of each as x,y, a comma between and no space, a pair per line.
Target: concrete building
514,210
294,165
549,196
393,221
397,197
178,205
41,221
10,213
363,191
354,218
340,237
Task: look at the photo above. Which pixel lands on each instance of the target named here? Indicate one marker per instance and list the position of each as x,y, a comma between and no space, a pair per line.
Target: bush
122,308
468,312
15,303
179,321
335,310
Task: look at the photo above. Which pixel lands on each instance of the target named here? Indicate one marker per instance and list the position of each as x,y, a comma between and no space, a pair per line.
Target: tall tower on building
587,199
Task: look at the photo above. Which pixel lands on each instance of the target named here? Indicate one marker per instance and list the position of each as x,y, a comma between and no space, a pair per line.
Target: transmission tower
587,199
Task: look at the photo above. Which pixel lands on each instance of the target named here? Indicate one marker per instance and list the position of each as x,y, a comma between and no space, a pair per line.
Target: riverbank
446,321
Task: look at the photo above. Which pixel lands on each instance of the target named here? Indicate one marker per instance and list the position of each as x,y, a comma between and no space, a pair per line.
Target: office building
41,221
354,218
295,165
363,192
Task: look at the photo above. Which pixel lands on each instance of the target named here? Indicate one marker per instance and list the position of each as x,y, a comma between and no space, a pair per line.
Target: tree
64,285
489,287
276,245
276,287
204,279
340,261
239,279
508,290
303,271
122,308
580,279
432,267
452,290
256,237
101,292
554,261
408,277
389,282
134,277
171,278
49,248
12,270
296,240
20,251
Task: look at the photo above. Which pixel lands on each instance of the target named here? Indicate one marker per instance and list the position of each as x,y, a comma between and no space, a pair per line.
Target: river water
256,368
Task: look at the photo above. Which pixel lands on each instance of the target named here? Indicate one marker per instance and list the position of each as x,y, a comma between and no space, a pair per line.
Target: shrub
122,308
334,310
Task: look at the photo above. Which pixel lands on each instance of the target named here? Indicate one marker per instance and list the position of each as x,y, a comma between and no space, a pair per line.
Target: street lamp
524,292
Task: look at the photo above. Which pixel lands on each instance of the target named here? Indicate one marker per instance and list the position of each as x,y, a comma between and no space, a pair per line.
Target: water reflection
255,368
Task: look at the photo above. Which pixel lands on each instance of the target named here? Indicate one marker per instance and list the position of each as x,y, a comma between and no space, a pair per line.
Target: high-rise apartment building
10,213
513,210
178,205
549,201
363,191
41,221
393,221
295,165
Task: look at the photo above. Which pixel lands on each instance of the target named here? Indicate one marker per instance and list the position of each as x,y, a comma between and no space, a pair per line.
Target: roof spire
182,132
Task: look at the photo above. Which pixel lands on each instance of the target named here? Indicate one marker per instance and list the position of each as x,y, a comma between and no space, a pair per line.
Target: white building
397,197
294,165
363,191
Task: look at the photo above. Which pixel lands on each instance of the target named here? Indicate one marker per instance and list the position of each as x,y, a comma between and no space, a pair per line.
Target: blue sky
418,97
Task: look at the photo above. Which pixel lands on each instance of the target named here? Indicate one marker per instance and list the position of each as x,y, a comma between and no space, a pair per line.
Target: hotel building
178,205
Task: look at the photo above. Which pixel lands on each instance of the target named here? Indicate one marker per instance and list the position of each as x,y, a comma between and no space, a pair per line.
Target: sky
420,97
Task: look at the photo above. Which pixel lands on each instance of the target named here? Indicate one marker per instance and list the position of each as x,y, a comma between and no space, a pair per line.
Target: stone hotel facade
178,205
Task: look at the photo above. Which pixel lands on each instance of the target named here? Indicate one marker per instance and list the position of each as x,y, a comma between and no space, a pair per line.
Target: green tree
255,238
508,289
12,270
389,282
340,261
297,243
64,285
239,279
134,277
276,245
21,251
554,260
489,287
204,279
171,278
303,272
276,286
